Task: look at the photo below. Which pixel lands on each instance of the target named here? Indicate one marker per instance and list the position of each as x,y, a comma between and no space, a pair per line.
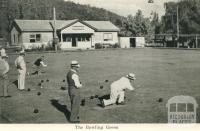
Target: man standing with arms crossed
21,67
74,86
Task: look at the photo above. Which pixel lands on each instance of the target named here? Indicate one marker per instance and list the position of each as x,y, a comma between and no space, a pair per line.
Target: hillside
37,9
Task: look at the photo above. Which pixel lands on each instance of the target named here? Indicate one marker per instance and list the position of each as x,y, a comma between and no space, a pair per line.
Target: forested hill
43,9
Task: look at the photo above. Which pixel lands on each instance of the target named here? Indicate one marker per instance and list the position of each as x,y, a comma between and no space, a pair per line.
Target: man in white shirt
4,68
118,89
21,67
74,86
2,50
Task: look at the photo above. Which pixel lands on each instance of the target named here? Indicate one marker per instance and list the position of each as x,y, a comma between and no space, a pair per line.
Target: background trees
189,17
132,25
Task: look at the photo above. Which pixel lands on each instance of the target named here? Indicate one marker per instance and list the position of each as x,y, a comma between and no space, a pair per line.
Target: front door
132,42
74,43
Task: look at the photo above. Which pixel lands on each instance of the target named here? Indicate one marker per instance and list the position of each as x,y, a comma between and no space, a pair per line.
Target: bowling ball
91,97
39,93
106,80
160,100
35,111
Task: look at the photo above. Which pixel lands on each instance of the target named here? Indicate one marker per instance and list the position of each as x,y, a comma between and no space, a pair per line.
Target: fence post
196,41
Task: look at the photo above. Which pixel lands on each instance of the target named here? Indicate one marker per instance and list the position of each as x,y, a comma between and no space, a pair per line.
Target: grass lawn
160,73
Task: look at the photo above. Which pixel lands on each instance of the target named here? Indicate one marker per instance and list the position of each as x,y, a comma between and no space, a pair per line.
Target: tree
188,14
136,25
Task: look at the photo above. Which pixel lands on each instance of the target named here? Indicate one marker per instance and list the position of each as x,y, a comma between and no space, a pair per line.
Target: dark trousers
74,95
4,85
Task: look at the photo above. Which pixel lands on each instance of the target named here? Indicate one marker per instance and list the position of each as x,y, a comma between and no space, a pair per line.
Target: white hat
75,63
131,76
3,55
22,52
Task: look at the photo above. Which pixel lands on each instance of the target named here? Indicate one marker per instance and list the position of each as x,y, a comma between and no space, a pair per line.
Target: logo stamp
182,109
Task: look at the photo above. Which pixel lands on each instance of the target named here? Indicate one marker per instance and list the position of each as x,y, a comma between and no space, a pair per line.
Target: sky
127,7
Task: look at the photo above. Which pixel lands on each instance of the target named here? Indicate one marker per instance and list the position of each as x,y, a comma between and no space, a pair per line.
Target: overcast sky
126,7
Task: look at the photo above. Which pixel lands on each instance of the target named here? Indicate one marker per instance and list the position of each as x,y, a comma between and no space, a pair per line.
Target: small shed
131,42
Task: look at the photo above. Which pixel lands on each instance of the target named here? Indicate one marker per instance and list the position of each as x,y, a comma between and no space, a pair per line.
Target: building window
79,39
84,39
67,39
14,38
87,38
35,38
107,36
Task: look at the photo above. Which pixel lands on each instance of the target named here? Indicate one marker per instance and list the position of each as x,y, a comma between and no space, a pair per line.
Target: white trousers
21,79
114,96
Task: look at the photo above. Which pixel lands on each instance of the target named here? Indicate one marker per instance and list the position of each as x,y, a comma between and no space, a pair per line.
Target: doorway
132,42
74,42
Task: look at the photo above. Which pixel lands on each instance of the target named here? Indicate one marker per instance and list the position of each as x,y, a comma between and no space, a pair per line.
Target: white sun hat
75,63
131,76
4,55
22,52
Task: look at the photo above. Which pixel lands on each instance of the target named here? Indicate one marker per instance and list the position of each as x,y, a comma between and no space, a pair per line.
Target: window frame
108,37
34,38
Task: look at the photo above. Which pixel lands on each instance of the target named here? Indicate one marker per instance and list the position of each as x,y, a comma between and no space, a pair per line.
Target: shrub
98,46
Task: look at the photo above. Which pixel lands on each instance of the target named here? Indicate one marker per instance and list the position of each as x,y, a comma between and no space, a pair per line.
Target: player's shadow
61,108
15,83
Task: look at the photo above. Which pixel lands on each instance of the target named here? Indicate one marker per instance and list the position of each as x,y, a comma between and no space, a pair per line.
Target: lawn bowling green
161,74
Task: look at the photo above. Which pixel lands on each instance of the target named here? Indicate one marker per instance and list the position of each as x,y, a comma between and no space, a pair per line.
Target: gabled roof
41,25
102,25
47,25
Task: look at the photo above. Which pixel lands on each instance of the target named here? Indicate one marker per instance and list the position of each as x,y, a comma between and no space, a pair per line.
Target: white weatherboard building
72,34
129,42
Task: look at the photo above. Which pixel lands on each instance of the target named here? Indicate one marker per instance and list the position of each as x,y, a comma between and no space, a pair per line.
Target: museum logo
182,109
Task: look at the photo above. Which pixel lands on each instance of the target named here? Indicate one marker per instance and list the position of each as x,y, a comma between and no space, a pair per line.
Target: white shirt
75,77
121,84
20,63
7,67
42,63
4,67
2,51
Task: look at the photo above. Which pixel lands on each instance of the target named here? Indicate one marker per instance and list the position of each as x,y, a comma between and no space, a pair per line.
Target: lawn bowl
36,111
63,88
39,93
101,87
160,100
91,97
